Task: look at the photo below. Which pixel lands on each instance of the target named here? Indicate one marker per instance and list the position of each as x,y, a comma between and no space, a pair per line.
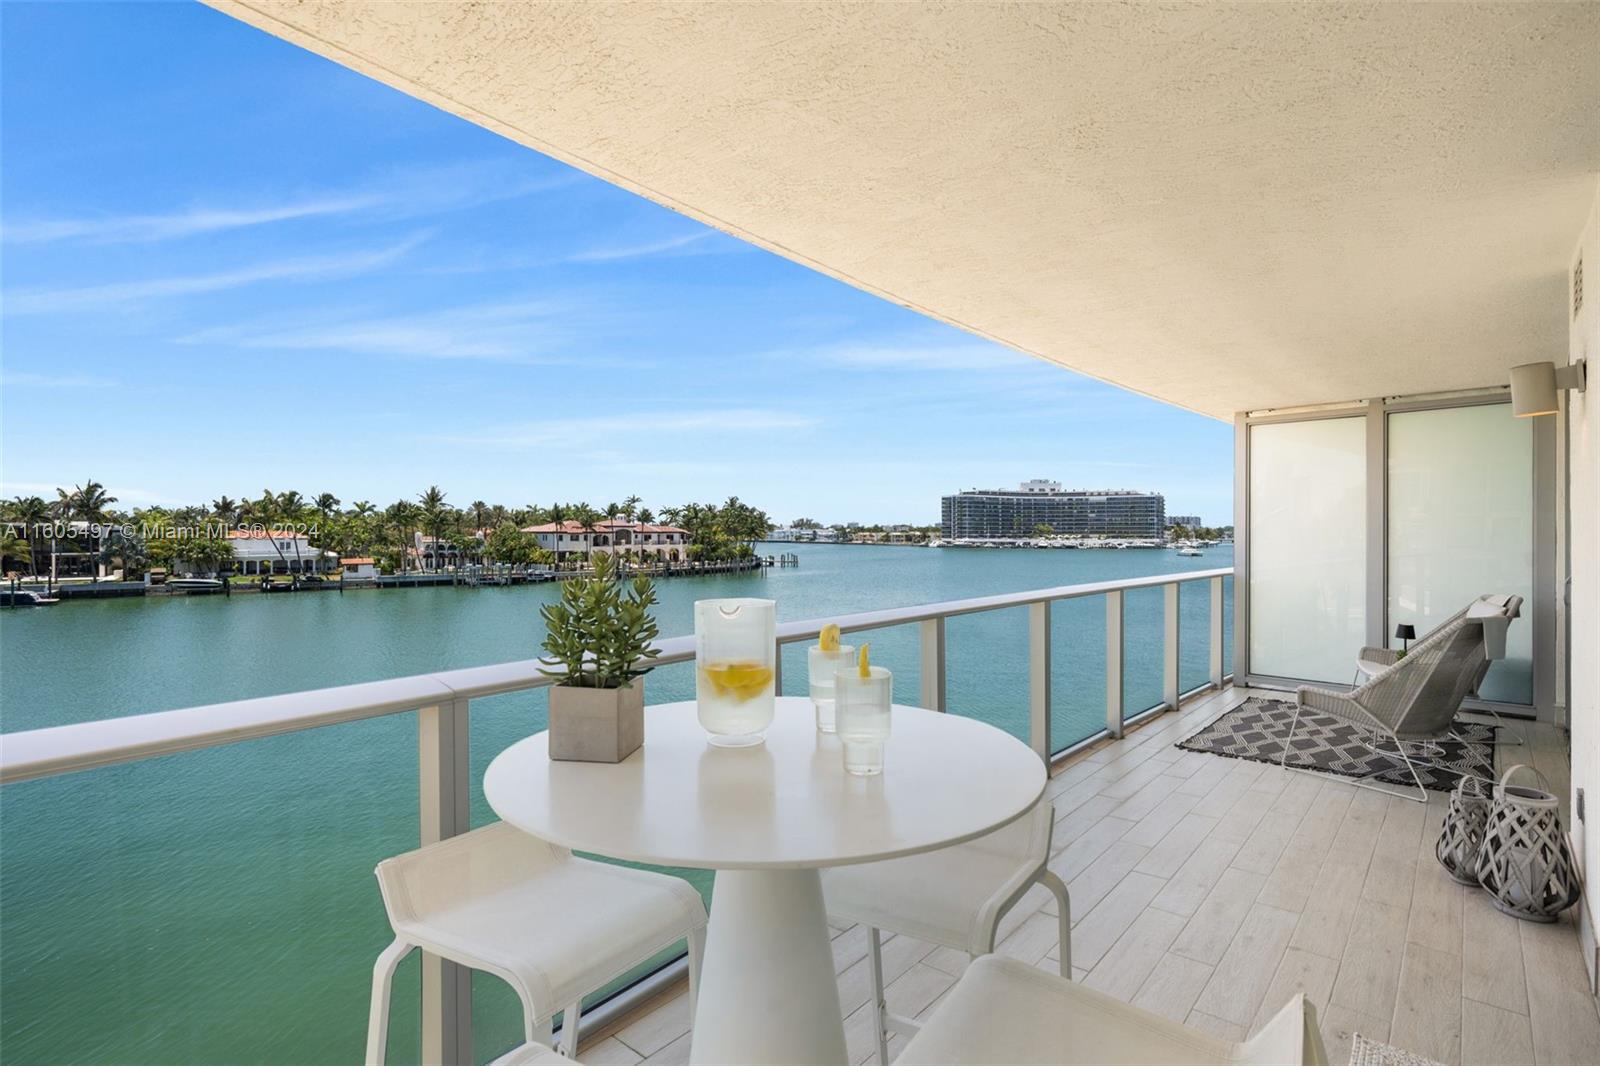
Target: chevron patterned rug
1256,729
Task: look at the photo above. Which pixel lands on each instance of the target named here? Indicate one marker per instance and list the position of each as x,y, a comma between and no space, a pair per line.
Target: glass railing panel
1077,670
1194,634
986,672
1143,644
1227,625
212,906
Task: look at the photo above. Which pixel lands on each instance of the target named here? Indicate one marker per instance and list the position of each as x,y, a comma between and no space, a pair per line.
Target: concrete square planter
596,724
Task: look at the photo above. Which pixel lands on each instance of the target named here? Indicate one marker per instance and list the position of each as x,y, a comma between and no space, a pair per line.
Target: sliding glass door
1307,547
1461,526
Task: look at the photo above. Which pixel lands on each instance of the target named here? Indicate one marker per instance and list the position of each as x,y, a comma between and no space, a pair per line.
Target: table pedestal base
767,989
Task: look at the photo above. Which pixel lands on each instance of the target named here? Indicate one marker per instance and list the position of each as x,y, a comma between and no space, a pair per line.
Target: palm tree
15,548
630,508
612,510
478,509
31,513
326,504
401,515
434,514
86,503
363,508
646,516
224,508
261,510
291,504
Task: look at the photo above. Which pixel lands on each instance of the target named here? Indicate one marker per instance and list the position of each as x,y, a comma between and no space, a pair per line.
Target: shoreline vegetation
82,534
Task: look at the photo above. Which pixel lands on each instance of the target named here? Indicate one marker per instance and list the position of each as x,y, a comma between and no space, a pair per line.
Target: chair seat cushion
1369,668
935,896
1004,1011
564,932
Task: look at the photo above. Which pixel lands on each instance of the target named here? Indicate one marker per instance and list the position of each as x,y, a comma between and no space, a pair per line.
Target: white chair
1005,1011
531,1055
552,926
954,897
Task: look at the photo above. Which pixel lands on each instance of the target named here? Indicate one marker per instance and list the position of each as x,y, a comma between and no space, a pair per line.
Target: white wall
1583,427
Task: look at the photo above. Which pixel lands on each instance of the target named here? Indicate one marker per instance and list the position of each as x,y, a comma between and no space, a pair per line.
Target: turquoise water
219,906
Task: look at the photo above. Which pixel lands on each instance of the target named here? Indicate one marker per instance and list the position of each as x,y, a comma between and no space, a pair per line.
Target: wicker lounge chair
1412,700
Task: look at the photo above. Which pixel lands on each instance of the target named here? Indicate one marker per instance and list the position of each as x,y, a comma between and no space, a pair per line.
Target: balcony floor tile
1206,889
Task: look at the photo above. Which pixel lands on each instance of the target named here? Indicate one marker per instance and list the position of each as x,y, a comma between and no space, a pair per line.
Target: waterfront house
355,569
570,540
442,553
1337,227
68,550
266,551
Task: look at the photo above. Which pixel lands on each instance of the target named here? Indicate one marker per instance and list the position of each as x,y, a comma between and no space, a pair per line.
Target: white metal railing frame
442,702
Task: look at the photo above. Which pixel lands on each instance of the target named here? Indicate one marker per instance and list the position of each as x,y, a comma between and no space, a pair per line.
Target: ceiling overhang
1226,207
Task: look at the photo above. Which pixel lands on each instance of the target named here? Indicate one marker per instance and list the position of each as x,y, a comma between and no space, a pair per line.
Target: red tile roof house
569,540
359,568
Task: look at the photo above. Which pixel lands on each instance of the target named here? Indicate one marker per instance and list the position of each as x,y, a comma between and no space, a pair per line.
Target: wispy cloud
54,381
515,331
586,433
911,355
113,229
409,193
644,250
45,300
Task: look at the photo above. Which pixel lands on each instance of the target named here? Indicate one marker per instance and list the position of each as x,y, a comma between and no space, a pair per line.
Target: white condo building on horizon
990,514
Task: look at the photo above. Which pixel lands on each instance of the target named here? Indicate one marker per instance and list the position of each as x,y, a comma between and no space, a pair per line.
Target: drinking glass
735,648
862,716
821,666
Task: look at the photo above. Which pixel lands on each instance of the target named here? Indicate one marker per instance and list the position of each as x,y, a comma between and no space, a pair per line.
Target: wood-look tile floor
1210,890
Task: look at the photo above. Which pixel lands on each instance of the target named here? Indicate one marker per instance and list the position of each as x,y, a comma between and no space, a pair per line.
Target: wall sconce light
1534,386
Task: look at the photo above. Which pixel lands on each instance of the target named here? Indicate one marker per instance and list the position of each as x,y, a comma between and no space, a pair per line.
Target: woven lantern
1524,862
1462,835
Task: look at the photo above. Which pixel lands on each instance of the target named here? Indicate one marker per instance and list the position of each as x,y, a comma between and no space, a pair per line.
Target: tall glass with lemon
735,647
865,694
823,660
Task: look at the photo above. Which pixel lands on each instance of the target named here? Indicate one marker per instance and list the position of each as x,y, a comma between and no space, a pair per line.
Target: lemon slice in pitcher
739,680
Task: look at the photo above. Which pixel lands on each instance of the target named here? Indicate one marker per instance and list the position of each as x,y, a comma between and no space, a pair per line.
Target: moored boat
26,598
195,584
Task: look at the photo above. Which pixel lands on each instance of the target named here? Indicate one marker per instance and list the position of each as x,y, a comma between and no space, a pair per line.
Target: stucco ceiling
1226,207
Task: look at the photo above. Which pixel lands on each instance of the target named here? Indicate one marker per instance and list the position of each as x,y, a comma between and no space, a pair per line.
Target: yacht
26,598
195,584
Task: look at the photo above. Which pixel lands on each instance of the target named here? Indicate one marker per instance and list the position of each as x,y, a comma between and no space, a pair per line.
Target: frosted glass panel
1461,525
1308,548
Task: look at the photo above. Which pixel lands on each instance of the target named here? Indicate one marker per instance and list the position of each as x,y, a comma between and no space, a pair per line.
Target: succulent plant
601,633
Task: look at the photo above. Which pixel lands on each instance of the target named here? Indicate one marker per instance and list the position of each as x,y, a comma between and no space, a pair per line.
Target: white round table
767,818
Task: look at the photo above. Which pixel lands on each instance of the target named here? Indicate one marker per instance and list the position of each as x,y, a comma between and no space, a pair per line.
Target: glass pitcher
735,652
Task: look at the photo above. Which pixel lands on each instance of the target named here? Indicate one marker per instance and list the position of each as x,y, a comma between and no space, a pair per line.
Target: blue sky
229,265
